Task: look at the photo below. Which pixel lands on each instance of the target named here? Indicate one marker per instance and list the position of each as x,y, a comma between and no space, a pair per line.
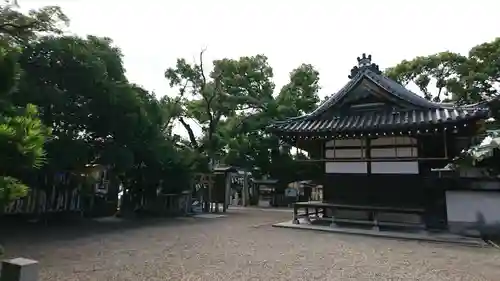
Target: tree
233,87
97,116
17,27
22,134
439,76
300,95
68,79
248,145
485,68
449,76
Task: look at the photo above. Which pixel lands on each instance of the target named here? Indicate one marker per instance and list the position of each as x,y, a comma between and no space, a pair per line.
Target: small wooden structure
101,198
169,204
238,184
266,190
202,193
224,177
378,142
211,190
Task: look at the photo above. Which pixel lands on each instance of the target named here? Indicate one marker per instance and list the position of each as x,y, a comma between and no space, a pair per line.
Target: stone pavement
241,246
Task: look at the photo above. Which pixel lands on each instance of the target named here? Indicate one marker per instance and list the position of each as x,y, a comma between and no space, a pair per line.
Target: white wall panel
393,141
382,152
346,167
344,143
345,153
473,206
394,167
406,152
394,152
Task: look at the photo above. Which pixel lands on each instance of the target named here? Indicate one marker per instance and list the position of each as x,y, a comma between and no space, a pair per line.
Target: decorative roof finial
364,62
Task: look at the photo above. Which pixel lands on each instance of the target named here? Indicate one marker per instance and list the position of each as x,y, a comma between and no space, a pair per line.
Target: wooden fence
39,202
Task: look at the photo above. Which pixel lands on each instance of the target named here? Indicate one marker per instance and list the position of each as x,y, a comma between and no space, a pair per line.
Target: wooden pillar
368,155
445,145
19,269
244,193
211,200
227,191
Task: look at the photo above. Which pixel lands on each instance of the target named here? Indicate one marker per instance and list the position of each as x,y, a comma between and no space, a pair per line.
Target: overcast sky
327,34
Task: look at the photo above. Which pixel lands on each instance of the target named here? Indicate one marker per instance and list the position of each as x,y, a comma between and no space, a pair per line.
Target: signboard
291,192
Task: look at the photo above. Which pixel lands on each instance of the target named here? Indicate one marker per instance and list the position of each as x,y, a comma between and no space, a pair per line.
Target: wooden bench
361,214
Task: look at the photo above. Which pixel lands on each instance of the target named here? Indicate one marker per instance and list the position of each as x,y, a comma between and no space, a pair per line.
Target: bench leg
332,217
295,220
307,219
375,221
333,224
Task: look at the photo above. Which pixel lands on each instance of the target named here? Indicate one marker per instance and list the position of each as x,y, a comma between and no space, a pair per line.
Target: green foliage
443,72
233,104
77,87
233,89
11,189
97,116
18,27
300,95
22,138
22,133
449,76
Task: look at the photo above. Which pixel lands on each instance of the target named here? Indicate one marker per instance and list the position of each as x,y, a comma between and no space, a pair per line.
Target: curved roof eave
329,102
389,85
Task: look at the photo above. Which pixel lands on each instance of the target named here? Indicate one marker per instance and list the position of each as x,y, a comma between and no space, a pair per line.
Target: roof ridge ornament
364,62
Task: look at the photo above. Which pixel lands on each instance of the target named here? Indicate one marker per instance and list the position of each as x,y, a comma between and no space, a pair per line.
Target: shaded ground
241,246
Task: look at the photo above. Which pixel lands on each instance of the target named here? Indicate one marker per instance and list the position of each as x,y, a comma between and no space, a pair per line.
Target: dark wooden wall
375,190
399,191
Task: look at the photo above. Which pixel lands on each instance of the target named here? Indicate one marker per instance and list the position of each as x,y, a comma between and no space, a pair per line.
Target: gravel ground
240,246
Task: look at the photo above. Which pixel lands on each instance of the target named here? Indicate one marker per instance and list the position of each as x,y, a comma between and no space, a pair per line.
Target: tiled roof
389,85
417,111
380,120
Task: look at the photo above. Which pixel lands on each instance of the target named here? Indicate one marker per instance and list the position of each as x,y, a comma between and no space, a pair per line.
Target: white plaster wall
468,206
346,167
345,153
393,141
399,167
346,142
394,152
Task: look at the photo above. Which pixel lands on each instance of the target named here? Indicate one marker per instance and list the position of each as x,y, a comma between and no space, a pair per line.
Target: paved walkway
241,246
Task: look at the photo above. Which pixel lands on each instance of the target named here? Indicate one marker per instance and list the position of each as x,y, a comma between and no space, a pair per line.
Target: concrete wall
473,211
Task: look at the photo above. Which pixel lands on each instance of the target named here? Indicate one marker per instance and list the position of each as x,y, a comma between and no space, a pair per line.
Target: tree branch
208,101
243,120
183,89
203,77
192,137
